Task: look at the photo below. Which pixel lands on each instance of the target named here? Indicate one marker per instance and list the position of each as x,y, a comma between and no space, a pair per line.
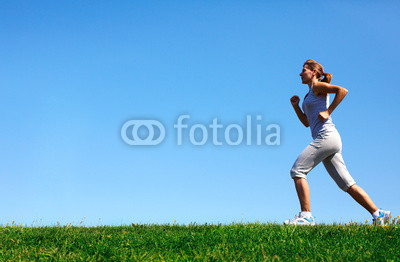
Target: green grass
240,242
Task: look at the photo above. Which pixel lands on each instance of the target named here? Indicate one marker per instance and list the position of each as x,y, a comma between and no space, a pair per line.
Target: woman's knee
295,173
349,189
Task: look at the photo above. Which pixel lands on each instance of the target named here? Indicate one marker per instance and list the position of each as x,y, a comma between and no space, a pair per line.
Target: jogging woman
326,146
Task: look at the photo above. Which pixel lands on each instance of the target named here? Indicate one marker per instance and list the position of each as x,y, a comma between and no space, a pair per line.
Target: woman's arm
322,88
302,117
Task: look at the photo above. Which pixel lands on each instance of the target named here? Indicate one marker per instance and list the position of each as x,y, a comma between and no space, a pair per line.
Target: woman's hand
324,115
294,100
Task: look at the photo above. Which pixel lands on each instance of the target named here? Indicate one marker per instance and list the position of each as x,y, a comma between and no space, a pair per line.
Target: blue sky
72,73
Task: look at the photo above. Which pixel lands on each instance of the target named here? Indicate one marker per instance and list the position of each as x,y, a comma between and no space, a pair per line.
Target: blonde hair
314,65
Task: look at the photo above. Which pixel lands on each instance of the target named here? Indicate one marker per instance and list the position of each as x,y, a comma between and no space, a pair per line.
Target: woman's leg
362,198
336,168
303,192
311,156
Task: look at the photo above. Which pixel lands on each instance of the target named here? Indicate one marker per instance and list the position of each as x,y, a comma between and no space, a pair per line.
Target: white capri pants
326,147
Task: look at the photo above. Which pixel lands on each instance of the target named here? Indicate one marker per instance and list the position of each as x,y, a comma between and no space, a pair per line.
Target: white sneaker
300,220
383,219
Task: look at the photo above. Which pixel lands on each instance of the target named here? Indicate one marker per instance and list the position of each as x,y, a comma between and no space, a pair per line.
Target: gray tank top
312,106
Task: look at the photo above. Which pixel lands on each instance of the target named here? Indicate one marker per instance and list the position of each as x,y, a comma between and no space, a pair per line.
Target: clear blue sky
73,72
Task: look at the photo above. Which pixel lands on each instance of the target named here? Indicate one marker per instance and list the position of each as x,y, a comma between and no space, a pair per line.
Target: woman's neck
311,84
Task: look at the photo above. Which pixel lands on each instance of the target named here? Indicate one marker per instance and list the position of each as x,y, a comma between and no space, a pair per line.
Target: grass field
173,242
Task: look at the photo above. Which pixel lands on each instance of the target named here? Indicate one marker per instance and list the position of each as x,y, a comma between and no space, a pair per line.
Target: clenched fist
295,100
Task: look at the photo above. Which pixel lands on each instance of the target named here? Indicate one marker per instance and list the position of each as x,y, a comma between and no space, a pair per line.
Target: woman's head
313,69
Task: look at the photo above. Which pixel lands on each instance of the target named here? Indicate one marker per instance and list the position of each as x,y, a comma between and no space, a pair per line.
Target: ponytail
327,78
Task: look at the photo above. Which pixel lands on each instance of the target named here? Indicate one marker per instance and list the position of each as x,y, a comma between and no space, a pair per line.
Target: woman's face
306,75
